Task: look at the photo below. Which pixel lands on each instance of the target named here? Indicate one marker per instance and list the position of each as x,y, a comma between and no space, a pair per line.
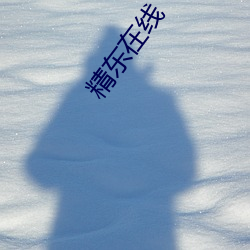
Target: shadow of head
130,147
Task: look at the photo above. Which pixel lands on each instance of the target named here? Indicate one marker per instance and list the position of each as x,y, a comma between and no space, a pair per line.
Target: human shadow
117,163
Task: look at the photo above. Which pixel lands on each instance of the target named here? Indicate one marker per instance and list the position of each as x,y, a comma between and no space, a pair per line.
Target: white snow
161,163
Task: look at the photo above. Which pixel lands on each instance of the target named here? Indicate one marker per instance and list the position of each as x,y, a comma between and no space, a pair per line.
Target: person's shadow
117,162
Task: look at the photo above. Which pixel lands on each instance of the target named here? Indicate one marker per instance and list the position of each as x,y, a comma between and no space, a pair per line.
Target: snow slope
161,163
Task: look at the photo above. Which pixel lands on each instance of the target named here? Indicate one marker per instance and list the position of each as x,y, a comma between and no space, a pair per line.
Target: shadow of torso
117,164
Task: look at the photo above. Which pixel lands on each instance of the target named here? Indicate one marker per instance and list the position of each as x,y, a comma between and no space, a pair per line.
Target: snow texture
161,163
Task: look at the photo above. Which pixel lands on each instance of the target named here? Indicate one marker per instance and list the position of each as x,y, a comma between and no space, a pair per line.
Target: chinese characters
101,81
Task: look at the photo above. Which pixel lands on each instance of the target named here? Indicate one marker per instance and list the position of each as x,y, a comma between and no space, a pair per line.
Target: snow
161,163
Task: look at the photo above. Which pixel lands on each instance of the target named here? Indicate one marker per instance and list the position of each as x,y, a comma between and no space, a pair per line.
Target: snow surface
161,163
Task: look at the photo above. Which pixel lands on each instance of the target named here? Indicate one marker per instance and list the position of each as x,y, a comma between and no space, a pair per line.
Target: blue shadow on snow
117,163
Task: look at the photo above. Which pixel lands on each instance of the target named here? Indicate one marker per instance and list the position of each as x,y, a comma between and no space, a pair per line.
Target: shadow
117,163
